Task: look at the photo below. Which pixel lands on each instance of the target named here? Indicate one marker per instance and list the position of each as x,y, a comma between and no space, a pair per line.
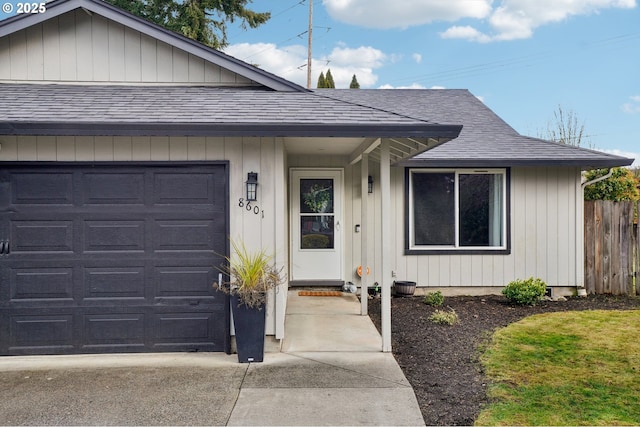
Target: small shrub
525,292
443,317
434,298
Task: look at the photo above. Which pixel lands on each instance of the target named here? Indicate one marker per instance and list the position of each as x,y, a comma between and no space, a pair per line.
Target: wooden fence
612,247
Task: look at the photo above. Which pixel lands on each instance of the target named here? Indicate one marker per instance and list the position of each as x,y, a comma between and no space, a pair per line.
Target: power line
516,62
287,9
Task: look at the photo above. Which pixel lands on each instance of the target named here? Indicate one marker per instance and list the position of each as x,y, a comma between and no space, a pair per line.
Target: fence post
625,233
635,238
589,247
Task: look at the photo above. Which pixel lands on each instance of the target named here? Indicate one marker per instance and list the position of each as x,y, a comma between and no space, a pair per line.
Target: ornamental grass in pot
251,275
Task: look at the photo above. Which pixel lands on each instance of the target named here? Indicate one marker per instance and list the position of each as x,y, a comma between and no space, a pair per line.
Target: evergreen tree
329,83
201,20
322,82
354,83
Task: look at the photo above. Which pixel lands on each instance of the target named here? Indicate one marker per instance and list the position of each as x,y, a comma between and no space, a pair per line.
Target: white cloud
290,62
517,19
411,86
632,107
287,62
466,32
367,56
417,58
506,19
628,154
404,13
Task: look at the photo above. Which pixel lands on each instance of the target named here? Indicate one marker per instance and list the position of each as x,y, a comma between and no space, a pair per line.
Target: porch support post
385,216
280,225
364,231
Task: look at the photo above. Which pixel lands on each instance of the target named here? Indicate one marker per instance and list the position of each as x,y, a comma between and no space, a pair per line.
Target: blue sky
523,58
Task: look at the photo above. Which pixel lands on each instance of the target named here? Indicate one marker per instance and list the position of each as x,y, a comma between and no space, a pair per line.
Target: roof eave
495,163
364,130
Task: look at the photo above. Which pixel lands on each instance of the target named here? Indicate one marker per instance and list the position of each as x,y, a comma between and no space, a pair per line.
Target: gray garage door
112,258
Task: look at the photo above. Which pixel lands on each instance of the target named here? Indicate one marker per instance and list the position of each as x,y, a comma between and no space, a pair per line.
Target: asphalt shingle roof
205,110
485,140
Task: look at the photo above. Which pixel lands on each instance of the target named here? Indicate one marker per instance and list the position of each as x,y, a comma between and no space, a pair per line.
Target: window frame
412,249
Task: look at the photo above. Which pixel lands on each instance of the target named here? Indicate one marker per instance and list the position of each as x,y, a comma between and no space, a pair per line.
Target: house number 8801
248,206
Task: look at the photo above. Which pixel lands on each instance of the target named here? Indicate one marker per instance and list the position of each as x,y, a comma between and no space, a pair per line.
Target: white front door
316,224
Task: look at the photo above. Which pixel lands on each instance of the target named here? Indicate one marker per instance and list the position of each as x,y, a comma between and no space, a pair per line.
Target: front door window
317,215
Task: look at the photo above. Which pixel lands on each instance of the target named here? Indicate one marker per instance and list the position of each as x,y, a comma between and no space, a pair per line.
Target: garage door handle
4,248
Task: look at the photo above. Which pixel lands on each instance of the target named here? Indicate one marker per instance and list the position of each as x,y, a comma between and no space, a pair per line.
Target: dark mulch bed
441,362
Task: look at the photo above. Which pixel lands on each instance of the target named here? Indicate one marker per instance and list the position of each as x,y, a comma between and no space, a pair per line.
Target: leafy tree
329,83
622,185
201,20
566,128
354,83
322,82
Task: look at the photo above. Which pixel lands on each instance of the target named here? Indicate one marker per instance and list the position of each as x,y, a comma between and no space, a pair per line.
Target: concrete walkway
330,372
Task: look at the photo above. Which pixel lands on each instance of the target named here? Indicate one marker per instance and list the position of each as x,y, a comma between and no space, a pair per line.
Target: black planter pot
404,288
249,325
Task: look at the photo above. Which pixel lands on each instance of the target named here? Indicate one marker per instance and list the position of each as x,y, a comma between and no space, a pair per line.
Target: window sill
506,251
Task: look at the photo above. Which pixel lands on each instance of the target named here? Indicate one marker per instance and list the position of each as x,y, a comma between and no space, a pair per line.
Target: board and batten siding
78,47
265,229
543,234
543,231
543,237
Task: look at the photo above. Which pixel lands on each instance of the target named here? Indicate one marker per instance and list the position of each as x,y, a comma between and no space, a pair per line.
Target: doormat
319,293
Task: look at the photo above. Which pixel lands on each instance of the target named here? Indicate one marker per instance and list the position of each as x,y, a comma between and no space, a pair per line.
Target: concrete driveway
172,389
330,372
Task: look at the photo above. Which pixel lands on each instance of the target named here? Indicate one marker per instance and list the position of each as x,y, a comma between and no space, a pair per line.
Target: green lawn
569,368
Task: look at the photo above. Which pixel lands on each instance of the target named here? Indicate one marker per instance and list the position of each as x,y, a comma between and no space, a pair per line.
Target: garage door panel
42,188
113,330
45,331
180,188
185,235
185,282
114,282
113,258
183,327
114,236
53,283
186,330
113,188
41,236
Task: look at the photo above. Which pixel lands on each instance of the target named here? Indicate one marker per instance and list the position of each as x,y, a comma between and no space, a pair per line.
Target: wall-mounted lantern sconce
252,186
370,186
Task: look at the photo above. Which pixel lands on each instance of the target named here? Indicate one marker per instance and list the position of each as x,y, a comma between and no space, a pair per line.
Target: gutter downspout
581,290
602,178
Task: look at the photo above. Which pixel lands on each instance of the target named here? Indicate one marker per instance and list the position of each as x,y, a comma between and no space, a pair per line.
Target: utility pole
310,32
